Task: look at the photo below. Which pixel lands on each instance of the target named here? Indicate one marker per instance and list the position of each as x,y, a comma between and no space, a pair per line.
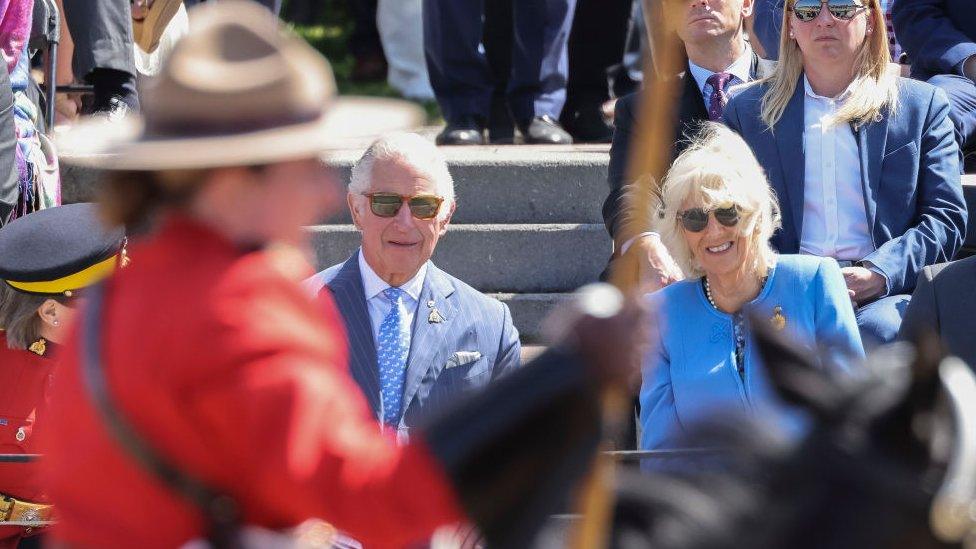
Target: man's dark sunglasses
422,206
808,10
696,219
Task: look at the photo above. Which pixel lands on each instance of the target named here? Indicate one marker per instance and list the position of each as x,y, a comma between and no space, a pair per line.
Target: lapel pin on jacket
435,317
778,320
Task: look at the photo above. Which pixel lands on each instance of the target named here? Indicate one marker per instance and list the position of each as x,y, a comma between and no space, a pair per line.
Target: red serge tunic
223,363
25,379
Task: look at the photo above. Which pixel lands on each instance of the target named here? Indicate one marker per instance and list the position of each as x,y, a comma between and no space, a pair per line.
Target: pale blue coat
690,374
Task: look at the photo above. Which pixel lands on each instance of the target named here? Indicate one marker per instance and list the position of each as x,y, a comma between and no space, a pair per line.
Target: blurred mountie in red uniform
205,390
47,259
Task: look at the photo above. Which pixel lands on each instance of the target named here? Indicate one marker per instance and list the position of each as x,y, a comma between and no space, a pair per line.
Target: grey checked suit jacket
443,362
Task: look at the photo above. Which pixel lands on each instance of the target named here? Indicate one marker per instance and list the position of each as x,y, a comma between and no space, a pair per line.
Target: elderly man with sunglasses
418,337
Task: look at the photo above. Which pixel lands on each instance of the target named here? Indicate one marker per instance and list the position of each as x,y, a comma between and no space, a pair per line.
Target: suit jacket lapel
350,298
788,133
871,141
693,107
426,336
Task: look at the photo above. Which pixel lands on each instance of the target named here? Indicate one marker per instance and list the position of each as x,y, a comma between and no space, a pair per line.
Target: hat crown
236,71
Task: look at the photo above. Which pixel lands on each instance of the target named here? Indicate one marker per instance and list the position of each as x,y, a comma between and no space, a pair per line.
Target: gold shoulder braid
39,347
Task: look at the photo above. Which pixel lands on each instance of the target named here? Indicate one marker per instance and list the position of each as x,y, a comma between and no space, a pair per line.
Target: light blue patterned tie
391,353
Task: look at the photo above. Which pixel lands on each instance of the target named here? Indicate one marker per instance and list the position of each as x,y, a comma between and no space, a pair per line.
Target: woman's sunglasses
696,219
422,206
808,10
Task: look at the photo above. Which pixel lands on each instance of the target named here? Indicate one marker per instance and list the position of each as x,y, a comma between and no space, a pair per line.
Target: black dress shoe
544,130
469,131
587,125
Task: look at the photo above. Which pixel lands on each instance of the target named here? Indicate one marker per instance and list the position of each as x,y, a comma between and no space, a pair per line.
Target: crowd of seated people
865,167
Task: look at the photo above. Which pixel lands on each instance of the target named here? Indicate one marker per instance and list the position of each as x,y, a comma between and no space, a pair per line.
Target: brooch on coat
778,320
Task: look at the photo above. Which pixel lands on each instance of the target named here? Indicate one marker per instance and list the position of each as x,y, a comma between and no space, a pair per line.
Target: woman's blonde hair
717,169
874,87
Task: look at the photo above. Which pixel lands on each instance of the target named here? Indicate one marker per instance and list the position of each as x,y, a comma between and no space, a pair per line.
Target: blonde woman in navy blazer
864,162
703,363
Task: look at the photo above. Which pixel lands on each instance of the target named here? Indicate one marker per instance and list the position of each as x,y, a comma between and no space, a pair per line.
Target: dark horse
889,461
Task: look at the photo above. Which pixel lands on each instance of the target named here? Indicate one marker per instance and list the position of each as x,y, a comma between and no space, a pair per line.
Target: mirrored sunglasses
422,206
696,219
844,10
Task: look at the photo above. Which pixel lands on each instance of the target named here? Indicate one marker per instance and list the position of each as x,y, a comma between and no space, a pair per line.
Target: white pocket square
461,358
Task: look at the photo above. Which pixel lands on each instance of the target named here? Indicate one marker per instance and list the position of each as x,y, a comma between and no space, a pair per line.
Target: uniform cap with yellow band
58,251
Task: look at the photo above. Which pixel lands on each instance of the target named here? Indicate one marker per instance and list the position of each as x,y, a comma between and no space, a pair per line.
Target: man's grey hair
410,148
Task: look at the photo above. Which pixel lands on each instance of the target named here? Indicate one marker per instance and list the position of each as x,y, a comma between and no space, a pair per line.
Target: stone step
493,184
515,258
528,311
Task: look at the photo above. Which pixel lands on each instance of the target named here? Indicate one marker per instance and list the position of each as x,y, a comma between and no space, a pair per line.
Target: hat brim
120,145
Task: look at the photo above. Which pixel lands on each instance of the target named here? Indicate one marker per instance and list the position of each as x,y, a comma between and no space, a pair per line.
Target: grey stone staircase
527,229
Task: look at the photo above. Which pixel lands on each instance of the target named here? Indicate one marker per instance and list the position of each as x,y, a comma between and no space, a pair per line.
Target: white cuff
626,245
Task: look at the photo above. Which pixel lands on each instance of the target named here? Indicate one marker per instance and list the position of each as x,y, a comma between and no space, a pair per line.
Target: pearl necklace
711,300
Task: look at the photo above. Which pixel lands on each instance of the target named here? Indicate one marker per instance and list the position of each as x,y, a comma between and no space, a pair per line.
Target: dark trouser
962,107
365,38
9,176
596,44
879,321
459,71
102,33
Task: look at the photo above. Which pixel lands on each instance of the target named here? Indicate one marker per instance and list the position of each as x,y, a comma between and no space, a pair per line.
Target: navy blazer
938,35
442,363
909,172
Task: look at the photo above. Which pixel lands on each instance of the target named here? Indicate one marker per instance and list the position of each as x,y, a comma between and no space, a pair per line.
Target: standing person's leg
103,56
457,68
498,38
364,42
540,68
9,174
401,27
596,44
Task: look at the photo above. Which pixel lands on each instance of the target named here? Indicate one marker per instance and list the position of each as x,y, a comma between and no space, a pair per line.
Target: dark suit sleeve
619,154
766,22
940,210
932,41
921,315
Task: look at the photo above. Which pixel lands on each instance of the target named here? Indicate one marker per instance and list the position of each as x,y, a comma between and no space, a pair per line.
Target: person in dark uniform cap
47,259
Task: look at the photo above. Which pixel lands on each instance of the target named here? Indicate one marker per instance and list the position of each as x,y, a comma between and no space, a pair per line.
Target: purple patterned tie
716,103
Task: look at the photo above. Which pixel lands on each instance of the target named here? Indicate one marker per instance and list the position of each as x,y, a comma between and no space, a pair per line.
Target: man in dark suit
944,302
418,337
462,79
940,39
713,32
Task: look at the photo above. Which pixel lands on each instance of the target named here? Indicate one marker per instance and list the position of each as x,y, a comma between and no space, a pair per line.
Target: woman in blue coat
718,215
864,162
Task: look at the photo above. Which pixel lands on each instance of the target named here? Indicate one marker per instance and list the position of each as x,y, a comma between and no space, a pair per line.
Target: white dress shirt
379,306
740,70
835,222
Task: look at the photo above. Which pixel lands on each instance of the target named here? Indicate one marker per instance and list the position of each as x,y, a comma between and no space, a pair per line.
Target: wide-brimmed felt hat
239,89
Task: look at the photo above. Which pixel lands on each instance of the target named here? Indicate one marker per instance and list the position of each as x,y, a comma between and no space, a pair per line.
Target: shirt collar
373,285
741,68
810,93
